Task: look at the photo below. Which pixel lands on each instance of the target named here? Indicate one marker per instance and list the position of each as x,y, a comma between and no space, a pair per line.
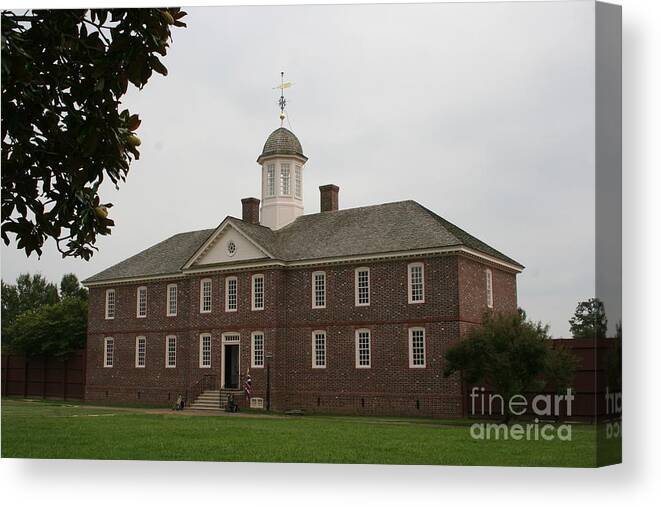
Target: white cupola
282,163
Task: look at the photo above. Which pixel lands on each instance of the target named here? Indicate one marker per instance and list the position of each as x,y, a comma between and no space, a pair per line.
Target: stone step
201,404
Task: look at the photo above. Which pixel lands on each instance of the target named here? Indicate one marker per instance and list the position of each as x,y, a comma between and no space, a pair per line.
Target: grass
38,429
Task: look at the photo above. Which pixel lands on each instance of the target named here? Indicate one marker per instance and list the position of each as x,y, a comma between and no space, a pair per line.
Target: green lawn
35,429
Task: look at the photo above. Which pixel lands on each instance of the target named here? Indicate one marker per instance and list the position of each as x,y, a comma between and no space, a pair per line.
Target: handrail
207,382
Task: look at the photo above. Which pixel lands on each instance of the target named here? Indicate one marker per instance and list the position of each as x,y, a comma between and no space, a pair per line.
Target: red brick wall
454,300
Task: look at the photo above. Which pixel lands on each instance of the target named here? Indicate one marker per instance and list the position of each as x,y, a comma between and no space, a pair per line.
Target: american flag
247,385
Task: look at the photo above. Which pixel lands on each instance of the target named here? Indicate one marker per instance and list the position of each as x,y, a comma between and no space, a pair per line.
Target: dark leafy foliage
51,330
36,321
63,75
70,287
589,320
512,355
29,292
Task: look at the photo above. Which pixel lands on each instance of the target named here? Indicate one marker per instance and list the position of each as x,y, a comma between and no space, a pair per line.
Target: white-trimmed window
319,289
285,179
206,289
257,344
270,180
363,348
257,292
362,284
110,303
231,293
417,347
108,352
205,350
298,182
172,300
141,302
319,349
170,351
489,278
416,282
140,351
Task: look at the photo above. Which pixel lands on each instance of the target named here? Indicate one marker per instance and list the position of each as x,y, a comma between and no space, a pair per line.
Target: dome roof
282,142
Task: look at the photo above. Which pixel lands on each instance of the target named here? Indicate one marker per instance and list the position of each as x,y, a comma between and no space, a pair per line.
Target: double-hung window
416,282
141,302
171,352
231,293
362,284
257,292
140,351
206,289
417,347
319,289
172,300
257,345
489,281
110,303
205,350
108,352
285,179
319,349
363,349
270,180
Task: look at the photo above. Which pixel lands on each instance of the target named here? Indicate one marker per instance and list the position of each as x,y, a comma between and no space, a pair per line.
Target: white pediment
229,245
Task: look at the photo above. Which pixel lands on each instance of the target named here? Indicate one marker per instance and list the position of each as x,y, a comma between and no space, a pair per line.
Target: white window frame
316,333
314,289
111,315
298,182
411,267
270,180
106,341
227,293
171,301
285,181
253,283
139,339
203,285
167,351
138,306
412,331
204,336
357,291
369,348
253,350
489,281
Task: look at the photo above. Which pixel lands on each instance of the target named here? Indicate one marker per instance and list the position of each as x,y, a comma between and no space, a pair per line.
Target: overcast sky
483,113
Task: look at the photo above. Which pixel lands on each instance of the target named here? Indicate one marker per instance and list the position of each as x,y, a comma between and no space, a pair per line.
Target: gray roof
391,227
282,142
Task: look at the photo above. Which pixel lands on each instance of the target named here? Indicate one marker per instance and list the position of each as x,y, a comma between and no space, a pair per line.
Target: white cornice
271,263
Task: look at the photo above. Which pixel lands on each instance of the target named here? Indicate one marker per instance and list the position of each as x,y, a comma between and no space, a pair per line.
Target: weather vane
282,102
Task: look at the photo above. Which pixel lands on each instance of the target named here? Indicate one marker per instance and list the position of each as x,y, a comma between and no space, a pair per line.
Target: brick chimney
250,210
329,197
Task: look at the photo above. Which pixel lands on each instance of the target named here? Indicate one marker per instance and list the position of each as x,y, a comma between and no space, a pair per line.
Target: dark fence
44,377
589,386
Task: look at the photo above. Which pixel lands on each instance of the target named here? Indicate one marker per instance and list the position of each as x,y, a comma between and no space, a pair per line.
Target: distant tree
70,287
29,293
52,330
64,73
509,353
589,320
32,291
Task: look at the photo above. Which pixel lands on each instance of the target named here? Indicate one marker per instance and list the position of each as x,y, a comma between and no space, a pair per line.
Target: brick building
339,311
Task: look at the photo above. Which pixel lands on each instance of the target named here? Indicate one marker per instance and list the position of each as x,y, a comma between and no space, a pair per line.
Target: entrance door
231,366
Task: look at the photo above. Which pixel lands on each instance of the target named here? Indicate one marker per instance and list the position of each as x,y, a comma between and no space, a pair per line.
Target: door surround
230,338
